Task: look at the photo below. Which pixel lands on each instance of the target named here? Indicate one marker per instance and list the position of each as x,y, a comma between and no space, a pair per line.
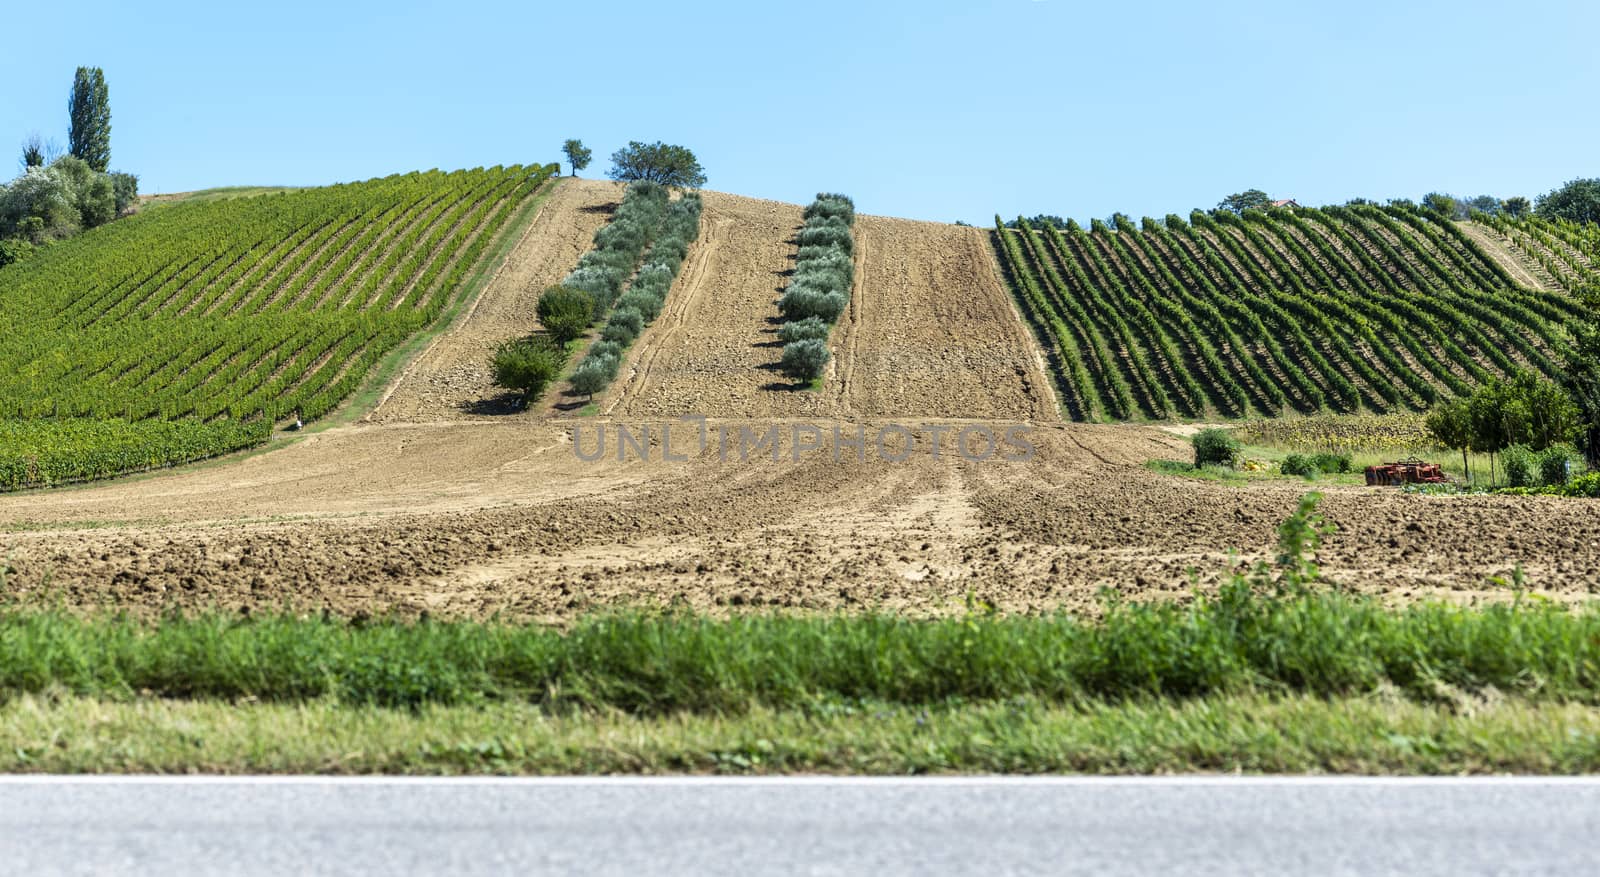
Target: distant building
1287,202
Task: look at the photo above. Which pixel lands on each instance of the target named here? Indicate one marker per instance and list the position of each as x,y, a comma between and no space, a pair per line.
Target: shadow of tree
499,406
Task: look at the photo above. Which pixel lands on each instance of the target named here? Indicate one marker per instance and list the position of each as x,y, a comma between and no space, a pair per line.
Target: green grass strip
1320,643
1246,734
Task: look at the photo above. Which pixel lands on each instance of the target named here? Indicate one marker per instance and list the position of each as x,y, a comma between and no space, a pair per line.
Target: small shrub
1299,464
817,252
825,278
1215,447
1332,464
527,365
802,330
628,317
624,326
806,360
1519,466
1555,465
597,280
641,302
605,348
594,374
829,205
565,313
1587,484
800,303
826,235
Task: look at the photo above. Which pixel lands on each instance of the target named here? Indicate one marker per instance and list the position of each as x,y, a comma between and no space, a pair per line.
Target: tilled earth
476,519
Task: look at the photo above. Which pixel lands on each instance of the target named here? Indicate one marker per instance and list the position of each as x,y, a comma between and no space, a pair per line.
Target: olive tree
805,360
565,312
667,164
577,154
526,366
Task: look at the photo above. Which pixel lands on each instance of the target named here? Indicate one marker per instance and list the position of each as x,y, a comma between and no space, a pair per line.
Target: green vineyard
1342,309
190,330
1560,252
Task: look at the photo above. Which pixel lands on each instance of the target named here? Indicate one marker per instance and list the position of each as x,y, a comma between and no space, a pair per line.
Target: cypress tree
90,111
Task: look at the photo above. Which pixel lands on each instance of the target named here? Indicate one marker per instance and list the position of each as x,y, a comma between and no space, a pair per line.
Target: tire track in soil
842,371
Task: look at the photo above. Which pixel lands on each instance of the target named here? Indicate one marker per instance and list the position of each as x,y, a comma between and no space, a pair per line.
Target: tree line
58,195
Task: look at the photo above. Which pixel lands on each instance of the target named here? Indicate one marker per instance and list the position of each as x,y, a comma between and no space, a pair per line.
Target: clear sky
933,109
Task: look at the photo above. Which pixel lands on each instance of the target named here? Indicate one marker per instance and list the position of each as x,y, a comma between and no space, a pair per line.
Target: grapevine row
1341,309
190,330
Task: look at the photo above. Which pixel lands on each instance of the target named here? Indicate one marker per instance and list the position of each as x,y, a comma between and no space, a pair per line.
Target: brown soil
714,350
473,519
432,506
933,331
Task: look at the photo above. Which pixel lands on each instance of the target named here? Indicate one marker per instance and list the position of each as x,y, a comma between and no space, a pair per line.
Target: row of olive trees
648,224
528,365
645,297
819,289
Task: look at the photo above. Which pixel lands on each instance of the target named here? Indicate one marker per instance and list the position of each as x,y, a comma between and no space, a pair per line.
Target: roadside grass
1379,734
1323,644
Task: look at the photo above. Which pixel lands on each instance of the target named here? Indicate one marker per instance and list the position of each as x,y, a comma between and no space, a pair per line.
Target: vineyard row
1338,309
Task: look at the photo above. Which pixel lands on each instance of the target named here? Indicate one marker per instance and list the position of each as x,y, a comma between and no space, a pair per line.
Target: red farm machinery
1405,472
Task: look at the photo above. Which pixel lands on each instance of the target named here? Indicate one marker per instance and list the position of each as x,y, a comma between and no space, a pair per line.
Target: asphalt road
805,826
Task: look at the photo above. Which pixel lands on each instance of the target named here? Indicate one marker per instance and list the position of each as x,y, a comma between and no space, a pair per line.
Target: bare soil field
714,350
471,519
933,330
433,506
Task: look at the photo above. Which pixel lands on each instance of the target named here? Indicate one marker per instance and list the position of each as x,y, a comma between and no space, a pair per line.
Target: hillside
190,330
1344,309
436,505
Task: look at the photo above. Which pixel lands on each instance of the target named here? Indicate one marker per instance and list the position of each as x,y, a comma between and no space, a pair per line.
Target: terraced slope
190,330
1344,309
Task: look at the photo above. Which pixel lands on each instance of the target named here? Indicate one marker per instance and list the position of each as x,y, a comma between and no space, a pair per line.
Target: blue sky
927,109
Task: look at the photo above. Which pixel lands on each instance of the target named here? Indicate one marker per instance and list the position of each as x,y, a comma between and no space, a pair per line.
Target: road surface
807,826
